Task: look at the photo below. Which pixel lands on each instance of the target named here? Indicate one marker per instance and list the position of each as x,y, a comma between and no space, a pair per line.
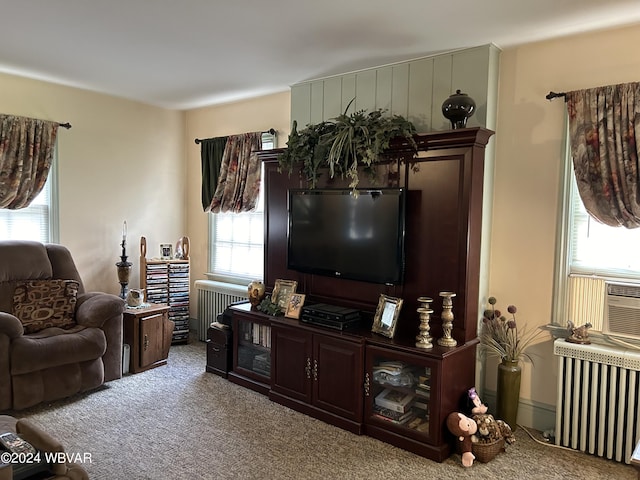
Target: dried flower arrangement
502,337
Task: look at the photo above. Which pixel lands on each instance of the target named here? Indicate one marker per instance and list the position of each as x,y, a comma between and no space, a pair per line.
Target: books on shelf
422,404
395,400
392,416
261,335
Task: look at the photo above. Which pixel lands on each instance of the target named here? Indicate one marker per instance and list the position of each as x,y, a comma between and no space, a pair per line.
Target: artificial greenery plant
343,144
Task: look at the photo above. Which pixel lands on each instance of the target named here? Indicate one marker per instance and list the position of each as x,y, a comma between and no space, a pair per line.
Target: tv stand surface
332,376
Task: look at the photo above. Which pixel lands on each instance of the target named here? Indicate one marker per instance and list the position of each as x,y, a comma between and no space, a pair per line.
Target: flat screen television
337,233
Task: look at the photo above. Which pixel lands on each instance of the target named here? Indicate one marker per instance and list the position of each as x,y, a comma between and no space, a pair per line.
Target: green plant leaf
343,144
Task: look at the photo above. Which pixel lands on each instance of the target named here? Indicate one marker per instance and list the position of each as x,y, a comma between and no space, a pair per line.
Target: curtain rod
271,131
66,125
552,95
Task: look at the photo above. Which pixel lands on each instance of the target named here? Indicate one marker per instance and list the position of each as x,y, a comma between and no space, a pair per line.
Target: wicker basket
485,452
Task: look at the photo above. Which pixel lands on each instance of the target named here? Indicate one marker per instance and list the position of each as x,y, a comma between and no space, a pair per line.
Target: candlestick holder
124,271
423,339
447,320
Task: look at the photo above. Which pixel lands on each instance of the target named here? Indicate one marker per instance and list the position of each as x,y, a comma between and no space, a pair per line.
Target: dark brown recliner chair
60,469
45,361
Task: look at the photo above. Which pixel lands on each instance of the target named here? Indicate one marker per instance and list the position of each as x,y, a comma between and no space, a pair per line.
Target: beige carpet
179,422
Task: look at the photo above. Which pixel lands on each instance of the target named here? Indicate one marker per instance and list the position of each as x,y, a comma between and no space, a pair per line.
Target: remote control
15,444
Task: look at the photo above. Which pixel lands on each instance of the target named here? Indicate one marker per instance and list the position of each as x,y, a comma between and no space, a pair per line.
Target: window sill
244,281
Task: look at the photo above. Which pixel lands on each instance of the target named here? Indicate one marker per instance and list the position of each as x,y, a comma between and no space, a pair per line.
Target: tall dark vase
458,108
508,393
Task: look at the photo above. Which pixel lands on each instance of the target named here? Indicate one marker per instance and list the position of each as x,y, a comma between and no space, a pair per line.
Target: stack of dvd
157,290
178,299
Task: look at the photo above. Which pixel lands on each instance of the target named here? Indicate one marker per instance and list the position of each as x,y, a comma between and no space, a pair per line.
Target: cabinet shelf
167,282
337,376
251,352
400,395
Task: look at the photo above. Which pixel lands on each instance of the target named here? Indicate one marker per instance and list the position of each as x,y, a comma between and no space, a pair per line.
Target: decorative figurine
135,297
474,405
578,334
256,292
458,108
123,266
423,339
447,320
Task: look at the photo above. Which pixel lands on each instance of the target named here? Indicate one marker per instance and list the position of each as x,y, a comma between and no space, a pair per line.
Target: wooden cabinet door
291,371
337,373
151,339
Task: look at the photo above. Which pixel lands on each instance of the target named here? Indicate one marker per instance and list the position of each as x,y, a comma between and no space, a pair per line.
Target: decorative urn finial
458,108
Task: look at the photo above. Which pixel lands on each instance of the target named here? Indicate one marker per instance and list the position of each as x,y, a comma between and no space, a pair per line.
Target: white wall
121,160
529,136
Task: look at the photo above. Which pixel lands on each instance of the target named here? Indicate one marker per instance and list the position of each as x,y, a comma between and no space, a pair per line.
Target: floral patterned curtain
604,126
239,182
26,151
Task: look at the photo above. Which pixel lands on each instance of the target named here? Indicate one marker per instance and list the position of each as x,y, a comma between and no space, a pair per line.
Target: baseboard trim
537,415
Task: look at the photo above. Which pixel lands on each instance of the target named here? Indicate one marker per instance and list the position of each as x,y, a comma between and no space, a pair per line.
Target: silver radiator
598,394
213,298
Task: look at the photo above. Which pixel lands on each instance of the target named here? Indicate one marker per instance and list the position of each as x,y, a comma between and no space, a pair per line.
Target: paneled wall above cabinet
413,89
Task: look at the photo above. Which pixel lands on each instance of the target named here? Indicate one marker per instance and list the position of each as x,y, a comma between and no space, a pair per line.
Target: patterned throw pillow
40,304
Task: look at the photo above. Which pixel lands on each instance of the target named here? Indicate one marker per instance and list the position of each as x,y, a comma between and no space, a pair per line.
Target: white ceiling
183,54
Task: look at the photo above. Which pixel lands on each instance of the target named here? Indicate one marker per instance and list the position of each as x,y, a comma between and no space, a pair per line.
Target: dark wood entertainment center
336,375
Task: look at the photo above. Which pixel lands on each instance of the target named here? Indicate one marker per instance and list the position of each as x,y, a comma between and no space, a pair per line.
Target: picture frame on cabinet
386,317
166,251
296,301
282,291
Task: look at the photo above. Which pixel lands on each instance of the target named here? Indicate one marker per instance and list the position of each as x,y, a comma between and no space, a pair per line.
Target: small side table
148,332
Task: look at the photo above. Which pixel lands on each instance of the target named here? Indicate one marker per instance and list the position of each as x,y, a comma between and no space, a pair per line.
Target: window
592,242
236,240
583,262
38,221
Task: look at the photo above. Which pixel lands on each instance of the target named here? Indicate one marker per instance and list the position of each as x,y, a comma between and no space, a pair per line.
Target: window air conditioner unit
622,310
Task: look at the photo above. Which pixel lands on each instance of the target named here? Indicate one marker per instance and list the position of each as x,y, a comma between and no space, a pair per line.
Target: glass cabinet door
398,392
254,347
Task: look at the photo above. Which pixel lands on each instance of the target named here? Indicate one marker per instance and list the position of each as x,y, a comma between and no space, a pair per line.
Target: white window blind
236,240
36,222
598,249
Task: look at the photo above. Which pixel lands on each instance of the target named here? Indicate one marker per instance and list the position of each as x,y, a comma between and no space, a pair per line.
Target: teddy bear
488,429
463,428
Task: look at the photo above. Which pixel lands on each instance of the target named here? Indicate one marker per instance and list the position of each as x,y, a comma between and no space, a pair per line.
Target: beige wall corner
121,160
529,136
258,114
